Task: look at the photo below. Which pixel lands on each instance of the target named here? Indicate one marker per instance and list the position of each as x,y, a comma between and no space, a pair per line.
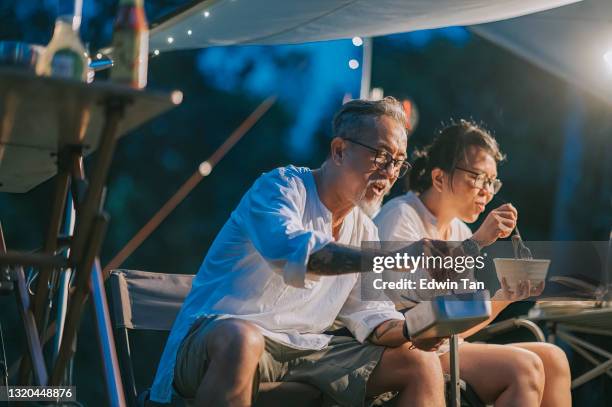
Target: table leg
32,338
88,237
41,299
77,301
45,291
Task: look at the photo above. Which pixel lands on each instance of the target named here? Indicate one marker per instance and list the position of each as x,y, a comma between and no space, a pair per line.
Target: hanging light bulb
170,40
608,58
353,64
357,41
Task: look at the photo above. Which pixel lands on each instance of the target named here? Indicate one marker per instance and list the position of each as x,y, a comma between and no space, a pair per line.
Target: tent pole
203,170
366,69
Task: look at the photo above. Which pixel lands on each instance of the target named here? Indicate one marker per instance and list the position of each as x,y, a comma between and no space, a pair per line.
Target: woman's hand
499,223
523,290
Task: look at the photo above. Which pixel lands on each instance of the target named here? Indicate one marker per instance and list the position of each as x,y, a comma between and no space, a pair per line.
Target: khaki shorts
340,371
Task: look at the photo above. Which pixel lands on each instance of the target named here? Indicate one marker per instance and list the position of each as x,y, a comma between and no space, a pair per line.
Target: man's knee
236,340
420,365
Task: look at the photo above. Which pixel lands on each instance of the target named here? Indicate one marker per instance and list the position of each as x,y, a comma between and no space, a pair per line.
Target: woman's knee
554,360
528,371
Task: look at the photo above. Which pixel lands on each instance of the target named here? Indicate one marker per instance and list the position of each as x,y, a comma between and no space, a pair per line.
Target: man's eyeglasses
383,160
483,182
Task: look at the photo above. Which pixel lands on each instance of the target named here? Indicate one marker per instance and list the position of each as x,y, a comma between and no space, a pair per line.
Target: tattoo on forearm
385,328
335,259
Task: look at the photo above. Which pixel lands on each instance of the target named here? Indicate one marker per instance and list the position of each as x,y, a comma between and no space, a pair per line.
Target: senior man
283,269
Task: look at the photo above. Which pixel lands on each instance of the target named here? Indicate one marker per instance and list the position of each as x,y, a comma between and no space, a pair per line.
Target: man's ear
337,150
438,178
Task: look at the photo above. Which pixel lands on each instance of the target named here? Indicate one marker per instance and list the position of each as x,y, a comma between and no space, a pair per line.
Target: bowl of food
516,270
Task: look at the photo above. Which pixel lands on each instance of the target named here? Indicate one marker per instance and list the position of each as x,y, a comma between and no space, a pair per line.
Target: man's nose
390,170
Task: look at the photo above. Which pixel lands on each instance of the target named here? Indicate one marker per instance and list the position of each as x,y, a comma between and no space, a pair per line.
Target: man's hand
498,224
428,344
391,333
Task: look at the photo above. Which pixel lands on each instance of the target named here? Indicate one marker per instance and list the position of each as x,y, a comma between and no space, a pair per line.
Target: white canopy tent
240,22
571,42
568,41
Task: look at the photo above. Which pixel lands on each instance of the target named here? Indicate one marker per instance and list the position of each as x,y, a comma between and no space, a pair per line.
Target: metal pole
108,351
591,374
585,354
64,283
366,69
14,258
33,341
454,372
566,336
598,370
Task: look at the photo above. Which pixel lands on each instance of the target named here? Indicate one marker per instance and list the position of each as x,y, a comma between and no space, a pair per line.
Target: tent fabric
146,300
569,42
239,22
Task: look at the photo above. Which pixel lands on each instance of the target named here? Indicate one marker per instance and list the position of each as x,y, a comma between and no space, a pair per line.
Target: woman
451,183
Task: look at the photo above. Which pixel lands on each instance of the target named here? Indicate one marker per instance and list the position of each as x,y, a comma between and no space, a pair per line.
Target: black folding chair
145,301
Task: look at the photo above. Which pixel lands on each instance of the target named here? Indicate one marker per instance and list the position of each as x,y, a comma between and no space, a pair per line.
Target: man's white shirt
255,270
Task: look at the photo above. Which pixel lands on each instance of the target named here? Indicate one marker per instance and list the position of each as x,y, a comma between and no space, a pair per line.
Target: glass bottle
130,44
65,55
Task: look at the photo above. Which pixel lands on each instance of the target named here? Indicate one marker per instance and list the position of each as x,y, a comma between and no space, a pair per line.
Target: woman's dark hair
449,149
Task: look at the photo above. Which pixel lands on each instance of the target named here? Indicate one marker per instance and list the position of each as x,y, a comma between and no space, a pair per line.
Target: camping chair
150,302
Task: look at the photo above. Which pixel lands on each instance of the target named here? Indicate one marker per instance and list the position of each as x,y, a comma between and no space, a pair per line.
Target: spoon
520,250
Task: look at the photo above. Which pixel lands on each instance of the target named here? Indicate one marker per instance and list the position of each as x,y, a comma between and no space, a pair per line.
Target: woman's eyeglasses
385,161
481,181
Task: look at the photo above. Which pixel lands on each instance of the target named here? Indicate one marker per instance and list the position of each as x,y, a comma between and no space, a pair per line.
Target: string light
357,41
189,32
206,14
608,58
156,52
353,64
98,56
170,40
205,168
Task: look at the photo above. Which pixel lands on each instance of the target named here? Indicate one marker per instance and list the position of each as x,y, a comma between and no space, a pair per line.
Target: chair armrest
509,325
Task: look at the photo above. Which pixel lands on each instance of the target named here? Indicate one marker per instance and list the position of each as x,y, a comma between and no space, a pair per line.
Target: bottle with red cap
130,44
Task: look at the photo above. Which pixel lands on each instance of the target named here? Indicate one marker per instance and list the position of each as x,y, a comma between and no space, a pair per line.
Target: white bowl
515,270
